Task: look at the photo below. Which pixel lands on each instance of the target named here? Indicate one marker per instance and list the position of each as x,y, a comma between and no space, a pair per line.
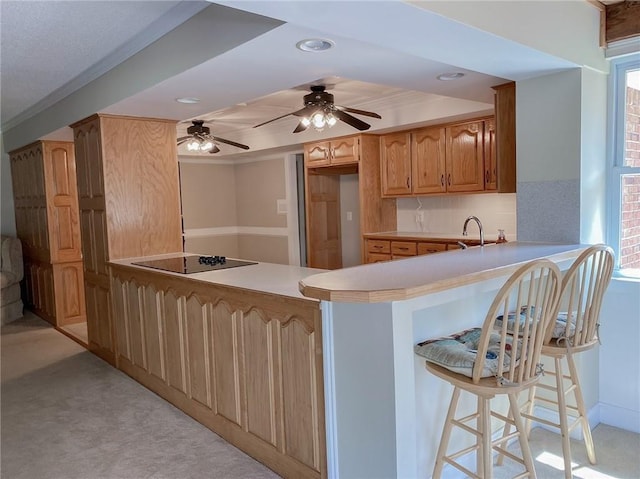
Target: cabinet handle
408,182
378,247
449,179
486,177
442,180
403,248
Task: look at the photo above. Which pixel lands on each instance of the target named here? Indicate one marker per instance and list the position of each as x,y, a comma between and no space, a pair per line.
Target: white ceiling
51,48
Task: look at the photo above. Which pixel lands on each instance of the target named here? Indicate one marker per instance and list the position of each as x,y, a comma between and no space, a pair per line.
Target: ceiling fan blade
301,127
273,119
229,142
215,149
182,139
351,120
357,112
306,111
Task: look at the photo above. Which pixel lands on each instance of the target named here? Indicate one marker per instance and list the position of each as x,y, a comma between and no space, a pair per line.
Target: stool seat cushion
559,327
459,351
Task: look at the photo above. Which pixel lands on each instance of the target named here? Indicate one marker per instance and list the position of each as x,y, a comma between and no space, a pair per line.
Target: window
624,233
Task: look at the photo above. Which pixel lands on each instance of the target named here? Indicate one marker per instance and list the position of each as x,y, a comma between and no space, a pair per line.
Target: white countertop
262,277
421,275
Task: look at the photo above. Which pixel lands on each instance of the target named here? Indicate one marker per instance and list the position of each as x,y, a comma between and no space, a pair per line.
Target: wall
208,192
561,154
548,157
446,214
619,385
230,207
7,213
350,224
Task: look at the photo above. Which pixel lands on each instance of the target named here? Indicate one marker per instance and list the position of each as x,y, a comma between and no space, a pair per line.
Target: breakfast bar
383,412
311,372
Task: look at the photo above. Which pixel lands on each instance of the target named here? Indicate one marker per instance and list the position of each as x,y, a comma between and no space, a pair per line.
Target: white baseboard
620,417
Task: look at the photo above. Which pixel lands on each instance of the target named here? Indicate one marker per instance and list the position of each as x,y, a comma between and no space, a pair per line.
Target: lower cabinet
247,365
386,249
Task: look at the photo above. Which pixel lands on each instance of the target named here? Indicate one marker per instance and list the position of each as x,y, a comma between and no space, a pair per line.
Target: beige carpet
66,414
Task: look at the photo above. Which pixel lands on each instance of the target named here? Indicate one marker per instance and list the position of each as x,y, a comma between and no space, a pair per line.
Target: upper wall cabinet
505,138
339,151
434,160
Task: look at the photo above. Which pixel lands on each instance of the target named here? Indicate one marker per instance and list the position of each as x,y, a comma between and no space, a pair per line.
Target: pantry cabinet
128,195
47,223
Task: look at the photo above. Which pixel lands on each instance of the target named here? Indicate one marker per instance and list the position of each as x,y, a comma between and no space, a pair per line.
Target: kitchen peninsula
238,349
384,413
311,372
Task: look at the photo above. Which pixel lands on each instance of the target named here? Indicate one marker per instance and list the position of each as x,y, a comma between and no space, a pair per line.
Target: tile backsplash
446,214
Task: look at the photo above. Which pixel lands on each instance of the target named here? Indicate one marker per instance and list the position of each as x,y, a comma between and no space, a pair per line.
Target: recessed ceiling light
188,100
450,76
314,45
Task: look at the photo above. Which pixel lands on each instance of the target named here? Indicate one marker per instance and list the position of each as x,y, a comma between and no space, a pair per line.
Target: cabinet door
344,151
317,154
395,159
464,153
429,248
428,173
401,249
505,121
490,164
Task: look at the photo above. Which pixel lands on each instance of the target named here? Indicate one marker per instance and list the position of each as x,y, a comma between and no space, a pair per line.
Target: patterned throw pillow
459,352
559,328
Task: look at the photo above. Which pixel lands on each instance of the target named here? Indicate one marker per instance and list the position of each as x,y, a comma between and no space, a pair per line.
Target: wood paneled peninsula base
239,350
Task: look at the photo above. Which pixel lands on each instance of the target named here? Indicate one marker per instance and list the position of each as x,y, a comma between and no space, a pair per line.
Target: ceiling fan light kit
320,111
199,138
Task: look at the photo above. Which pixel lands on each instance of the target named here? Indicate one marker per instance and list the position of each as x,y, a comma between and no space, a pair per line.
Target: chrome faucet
464,228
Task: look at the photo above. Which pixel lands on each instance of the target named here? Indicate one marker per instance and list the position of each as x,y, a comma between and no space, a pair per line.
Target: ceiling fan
320,111
200,139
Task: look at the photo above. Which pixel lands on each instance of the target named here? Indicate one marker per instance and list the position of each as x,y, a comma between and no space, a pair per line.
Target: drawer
378,246
404,248
428,248
378,257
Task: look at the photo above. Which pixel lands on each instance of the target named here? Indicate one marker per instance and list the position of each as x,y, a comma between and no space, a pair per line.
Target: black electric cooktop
193,264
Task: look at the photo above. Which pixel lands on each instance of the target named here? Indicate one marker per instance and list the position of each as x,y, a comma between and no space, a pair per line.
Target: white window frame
616,135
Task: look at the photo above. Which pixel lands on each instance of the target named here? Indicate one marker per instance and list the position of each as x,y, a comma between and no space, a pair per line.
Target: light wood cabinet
381,247
428,161
359,154
247,365
505,137
339,151
128,193
47,223
490,158
434,160
464,157
464,153
395,157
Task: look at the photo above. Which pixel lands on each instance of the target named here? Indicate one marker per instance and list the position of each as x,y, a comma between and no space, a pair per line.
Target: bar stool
489,361
574,331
